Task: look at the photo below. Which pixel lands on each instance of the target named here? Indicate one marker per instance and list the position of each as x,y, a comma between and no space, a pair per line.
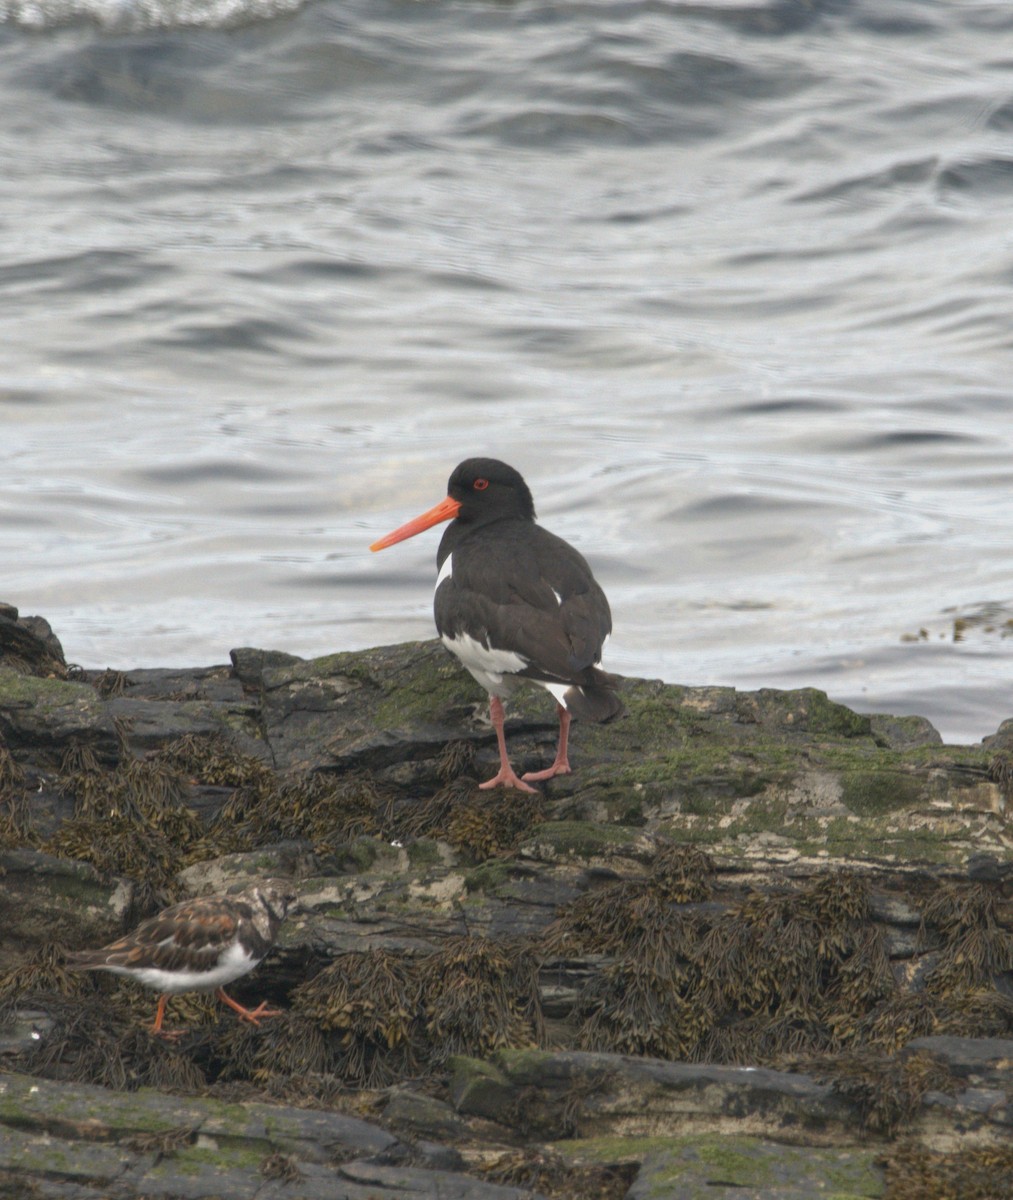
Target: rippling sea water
728,281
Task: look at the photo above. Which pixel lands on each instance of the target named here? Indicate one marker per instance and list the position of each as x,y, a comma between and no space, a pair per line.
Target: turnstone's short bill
197,946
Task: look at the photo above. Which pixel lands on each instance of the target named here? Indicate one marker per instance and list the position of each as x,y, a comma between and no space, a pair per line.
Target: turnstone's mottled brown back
192,936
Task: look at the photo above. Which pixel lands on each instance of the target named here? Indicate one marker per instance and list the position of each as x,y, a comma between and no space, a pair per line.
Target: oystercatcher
199,945
514,602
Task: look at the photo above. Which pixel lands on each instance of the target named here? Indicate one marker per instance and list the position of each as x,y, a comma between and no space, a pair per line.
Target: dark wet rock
989,869
249,665
430,1185
769,776
373,708
894,910
417,1115
591,1095
219,685
795,760
28,645
44,899
975,1107
22,1030
978,1061
90,1141
41,716
1002,739
903,733
736,1167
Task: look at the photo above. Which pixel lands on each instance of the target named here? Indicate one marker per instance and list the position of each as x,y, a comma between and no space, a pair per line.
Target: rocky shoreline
757,945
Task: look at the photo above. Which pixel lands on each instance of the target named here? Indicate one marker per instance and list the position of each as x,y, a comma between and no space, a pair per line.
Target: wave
130,16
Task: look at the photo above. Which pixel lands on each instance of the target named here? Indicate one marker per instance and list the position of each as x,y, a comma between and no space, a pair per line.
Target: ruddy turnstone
197,946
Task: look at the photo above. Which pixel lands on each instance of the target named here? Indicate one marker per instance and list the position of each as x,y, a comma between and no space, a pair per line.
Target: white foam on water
136,15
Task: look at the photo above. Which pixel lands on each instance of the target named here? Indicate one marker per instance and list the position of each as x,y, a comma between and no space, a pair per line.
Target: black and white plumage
514,602
198,945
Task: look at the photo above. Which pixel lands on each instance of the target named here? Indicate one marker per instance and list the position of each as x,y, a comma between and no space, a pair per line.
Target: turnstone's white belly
232,963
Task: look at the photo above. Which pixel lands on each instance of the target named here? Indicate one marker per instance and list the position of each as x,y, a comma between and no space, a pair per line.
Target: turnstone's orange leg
246,1014
159,1015
505,776
561,766
156,1029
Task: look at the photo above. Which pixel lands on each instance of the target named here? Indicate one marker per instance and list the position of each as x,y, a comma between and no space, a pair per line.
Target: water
729,282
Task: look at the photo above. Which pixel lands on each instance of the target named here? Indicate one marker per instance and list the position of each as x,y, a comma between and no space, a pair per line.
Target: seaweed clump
385,1016
329,810
908,1015
639,916
289,1057
131,821
262,807
457,758
15,811
97,1039
642,1002
136,819
682,874
368,1006
645,1000
479,996
549,1174
325,810
976,946
977,1173
43,971
635,1008
778,975
480,824
212,759
962,928
791,974
886,1090
485,829
111,683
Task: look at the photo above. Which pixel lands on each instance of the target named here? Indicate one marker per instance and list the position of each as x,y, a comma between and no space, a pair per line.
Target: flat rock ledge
73,1139
756,945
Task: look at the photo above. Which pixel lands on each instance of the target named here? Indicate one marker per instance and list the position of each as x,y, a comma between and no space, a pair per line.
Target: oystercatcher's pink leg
505,776
561,765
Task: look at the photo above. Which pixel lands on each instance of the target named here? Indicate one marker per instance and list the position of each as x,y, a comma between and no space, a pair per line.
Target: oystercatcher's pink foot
508,778
557,768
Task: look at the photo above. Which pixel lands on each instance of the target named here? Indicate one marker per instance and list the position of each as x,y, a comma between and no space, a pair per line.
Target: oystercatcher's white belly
490,667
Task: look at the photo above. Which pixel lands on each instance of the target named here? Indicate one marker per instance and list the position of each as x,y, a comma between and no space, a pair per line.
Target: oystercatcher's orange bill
444,511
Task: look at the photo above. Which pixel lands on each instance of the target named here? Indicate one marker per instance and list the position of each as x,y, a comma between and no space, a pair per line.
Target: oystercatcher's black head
487,489
480,490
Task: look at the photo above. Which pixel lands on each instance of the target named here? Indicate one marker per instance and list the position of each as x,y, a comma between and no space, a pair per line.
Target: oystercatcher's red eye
480,485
